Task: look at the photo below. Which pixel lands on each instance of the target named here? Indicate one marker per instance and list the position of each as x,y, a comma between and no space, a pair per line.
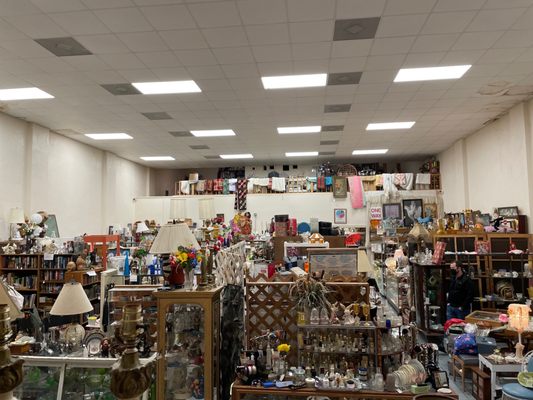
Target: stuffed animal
10,248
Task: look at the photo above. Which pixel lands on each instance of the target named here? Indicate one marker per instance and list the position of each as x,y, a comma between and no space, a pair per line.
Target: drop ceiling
226,46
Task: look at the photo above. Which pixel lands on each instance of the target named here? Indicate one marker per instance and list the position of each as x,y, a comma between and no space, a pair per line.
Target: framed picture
52,229
340,187
485,219
334,262
110,230
412,210
392,211
430,210
340,216
508,212
441,379
482,246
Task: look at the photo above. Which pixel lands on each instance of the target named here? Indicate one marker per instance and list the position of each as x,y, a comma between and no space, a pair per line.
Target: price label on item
376,213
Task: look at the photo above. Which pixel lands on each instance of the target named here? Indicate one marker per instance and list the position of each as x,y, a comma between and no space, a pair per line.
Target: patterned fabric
465,344
329,180
240,194
225,186
321,183
218,185
209,186
200,186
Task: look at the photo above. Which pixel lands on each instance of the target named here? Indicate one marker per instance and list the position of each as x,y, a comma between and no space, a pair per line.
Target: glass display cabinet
69,378
188,330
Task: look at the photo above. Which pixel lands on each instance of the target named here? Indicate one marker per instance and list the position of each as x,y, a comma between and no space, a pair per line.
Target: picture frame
340,187
392,211
485,219
340,216
52,230
411,210
341,262
430,210
508,212
441,379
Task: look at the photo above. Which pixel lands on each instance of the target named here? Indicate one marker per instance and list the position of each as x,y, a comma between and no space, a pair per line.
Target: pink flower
504,318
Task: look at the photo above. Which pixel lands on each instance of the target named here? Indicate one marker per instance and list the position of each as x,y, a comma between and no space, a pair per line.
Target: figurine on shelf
104,348
334,318
348,318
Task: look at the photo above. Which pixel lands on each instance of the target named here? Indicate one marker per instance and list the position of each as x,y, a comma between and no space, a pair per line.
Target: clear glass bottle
314,318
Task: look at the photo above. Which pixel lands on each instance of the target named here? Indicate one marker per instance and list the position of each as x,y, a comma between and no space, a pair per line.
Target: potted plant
309,294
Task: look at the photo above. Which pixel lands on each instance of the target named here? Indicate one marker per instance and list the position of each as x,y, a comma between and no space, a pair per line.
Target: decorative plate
93,342
526,379
304,227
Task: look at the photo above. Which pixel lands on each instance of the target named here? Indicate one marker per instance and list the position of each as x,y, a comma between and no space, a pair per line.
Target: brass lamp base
11,374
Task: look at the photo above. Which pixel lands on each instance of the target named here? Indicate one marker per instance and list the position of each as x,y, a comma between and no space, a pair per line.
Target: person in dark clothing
461,292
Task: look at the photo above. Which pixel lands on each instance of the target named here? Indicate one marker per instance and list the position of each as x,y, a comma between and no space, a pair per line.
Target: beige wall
493,166
86,188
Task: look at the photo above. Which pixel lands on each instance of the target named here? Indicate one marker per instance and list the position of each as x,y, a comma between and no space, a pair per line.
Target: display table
240,391
495,369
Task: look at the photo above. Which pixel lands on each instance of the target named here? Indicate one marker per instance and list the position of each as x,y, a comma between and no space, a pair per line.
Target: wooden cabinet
188,331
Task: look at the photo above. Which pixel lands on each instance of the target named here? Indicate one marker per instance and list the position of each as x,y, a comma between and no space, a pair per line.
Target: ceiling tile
63,46
80,23
401,25
398,45
159,59
169,17
378,76
104,76
458,5
268,34
476,40
347,64
310,10
58,5
499,56
17,7
515,39
122,61
351,48
96,4
155,116
171,74
184,39
225,37
315,31
272,53
143,41
137,75
240,70
376,63
449,22
311,51
8,32
87,63
25,48
434,43
36,26
102,44
234,55
212,15
414,60
206,72
399,7
359,8
196,57
490,20
461,57
255,12
124,20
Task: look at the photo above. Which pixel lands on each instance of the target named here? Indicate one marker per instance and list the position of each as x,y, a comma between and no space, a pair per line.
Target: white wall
492,167
86,188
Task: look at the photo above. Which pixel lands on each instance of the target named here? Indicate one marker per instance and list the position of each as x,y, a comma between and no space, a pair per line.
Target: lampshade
206,208
142,227
14,312
16,216
72,300
178,209
171,236
518,316
419,232
363,263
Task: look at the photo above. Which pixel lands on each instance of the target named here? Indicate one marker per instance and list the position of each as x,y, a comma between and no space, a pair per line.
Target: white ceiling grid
226,46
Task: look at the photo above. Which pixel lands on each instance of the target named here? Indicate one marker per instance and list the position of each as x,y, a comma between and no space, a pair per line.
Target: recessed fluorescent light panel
301,154
158,158
213,133
235,156
24,94
431,73
367,152
108,136
167,87
380,126
288,130
294,81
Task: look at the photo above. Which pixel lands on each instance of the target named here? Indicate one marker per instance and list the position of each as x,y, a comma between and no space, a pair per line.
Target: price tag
48,256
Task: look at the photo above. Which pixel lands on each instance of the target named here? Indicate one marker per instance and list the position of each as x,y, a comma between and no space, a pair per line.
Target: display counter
253,392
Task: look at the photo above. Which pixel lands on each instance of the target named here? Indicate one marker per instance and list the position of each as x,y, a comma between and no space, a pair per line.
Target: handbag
15,296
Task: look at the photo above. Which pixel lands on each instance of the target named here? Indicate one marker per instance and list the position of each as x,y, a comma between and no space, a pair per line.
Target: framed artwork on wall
340,216
430,210
340,187
412,210
392,211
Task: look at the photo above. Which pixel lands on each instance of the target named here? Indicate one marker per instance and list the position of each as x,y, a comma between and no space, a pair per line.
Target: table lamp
363,263
178,209
16,216
142,227
11,374
14,311
519,321
72,300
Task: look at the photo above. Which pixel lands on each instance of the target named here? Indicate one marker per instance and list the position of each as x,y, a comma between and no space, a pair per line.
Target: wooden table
239,392
495,369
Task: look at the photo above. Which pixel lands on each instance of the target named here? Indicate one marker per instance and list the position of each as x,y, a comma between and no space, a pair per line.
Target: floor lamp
519,321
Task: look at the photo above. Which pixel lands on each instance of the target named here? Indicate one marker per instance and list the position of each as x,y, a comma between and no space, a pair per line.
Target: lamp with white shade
519,321
178,209
16,216
206,211
72,300
142,227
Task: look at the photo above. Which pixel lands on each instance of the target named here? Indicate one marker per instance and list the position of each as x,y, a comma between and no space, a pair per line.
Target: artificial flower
284,348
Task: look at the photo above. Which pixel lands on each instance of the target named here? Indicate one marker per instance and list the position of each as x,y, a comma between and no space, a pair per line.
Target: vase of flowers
283,350
188,259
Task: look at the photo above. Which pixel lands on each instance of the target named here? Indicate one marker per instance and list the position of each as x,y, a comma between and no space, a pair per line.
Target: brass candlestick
10,371
130,379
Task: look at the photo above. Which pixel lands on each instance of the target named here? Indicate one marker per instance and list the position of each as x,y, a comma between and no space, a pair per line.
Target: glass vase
189,280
